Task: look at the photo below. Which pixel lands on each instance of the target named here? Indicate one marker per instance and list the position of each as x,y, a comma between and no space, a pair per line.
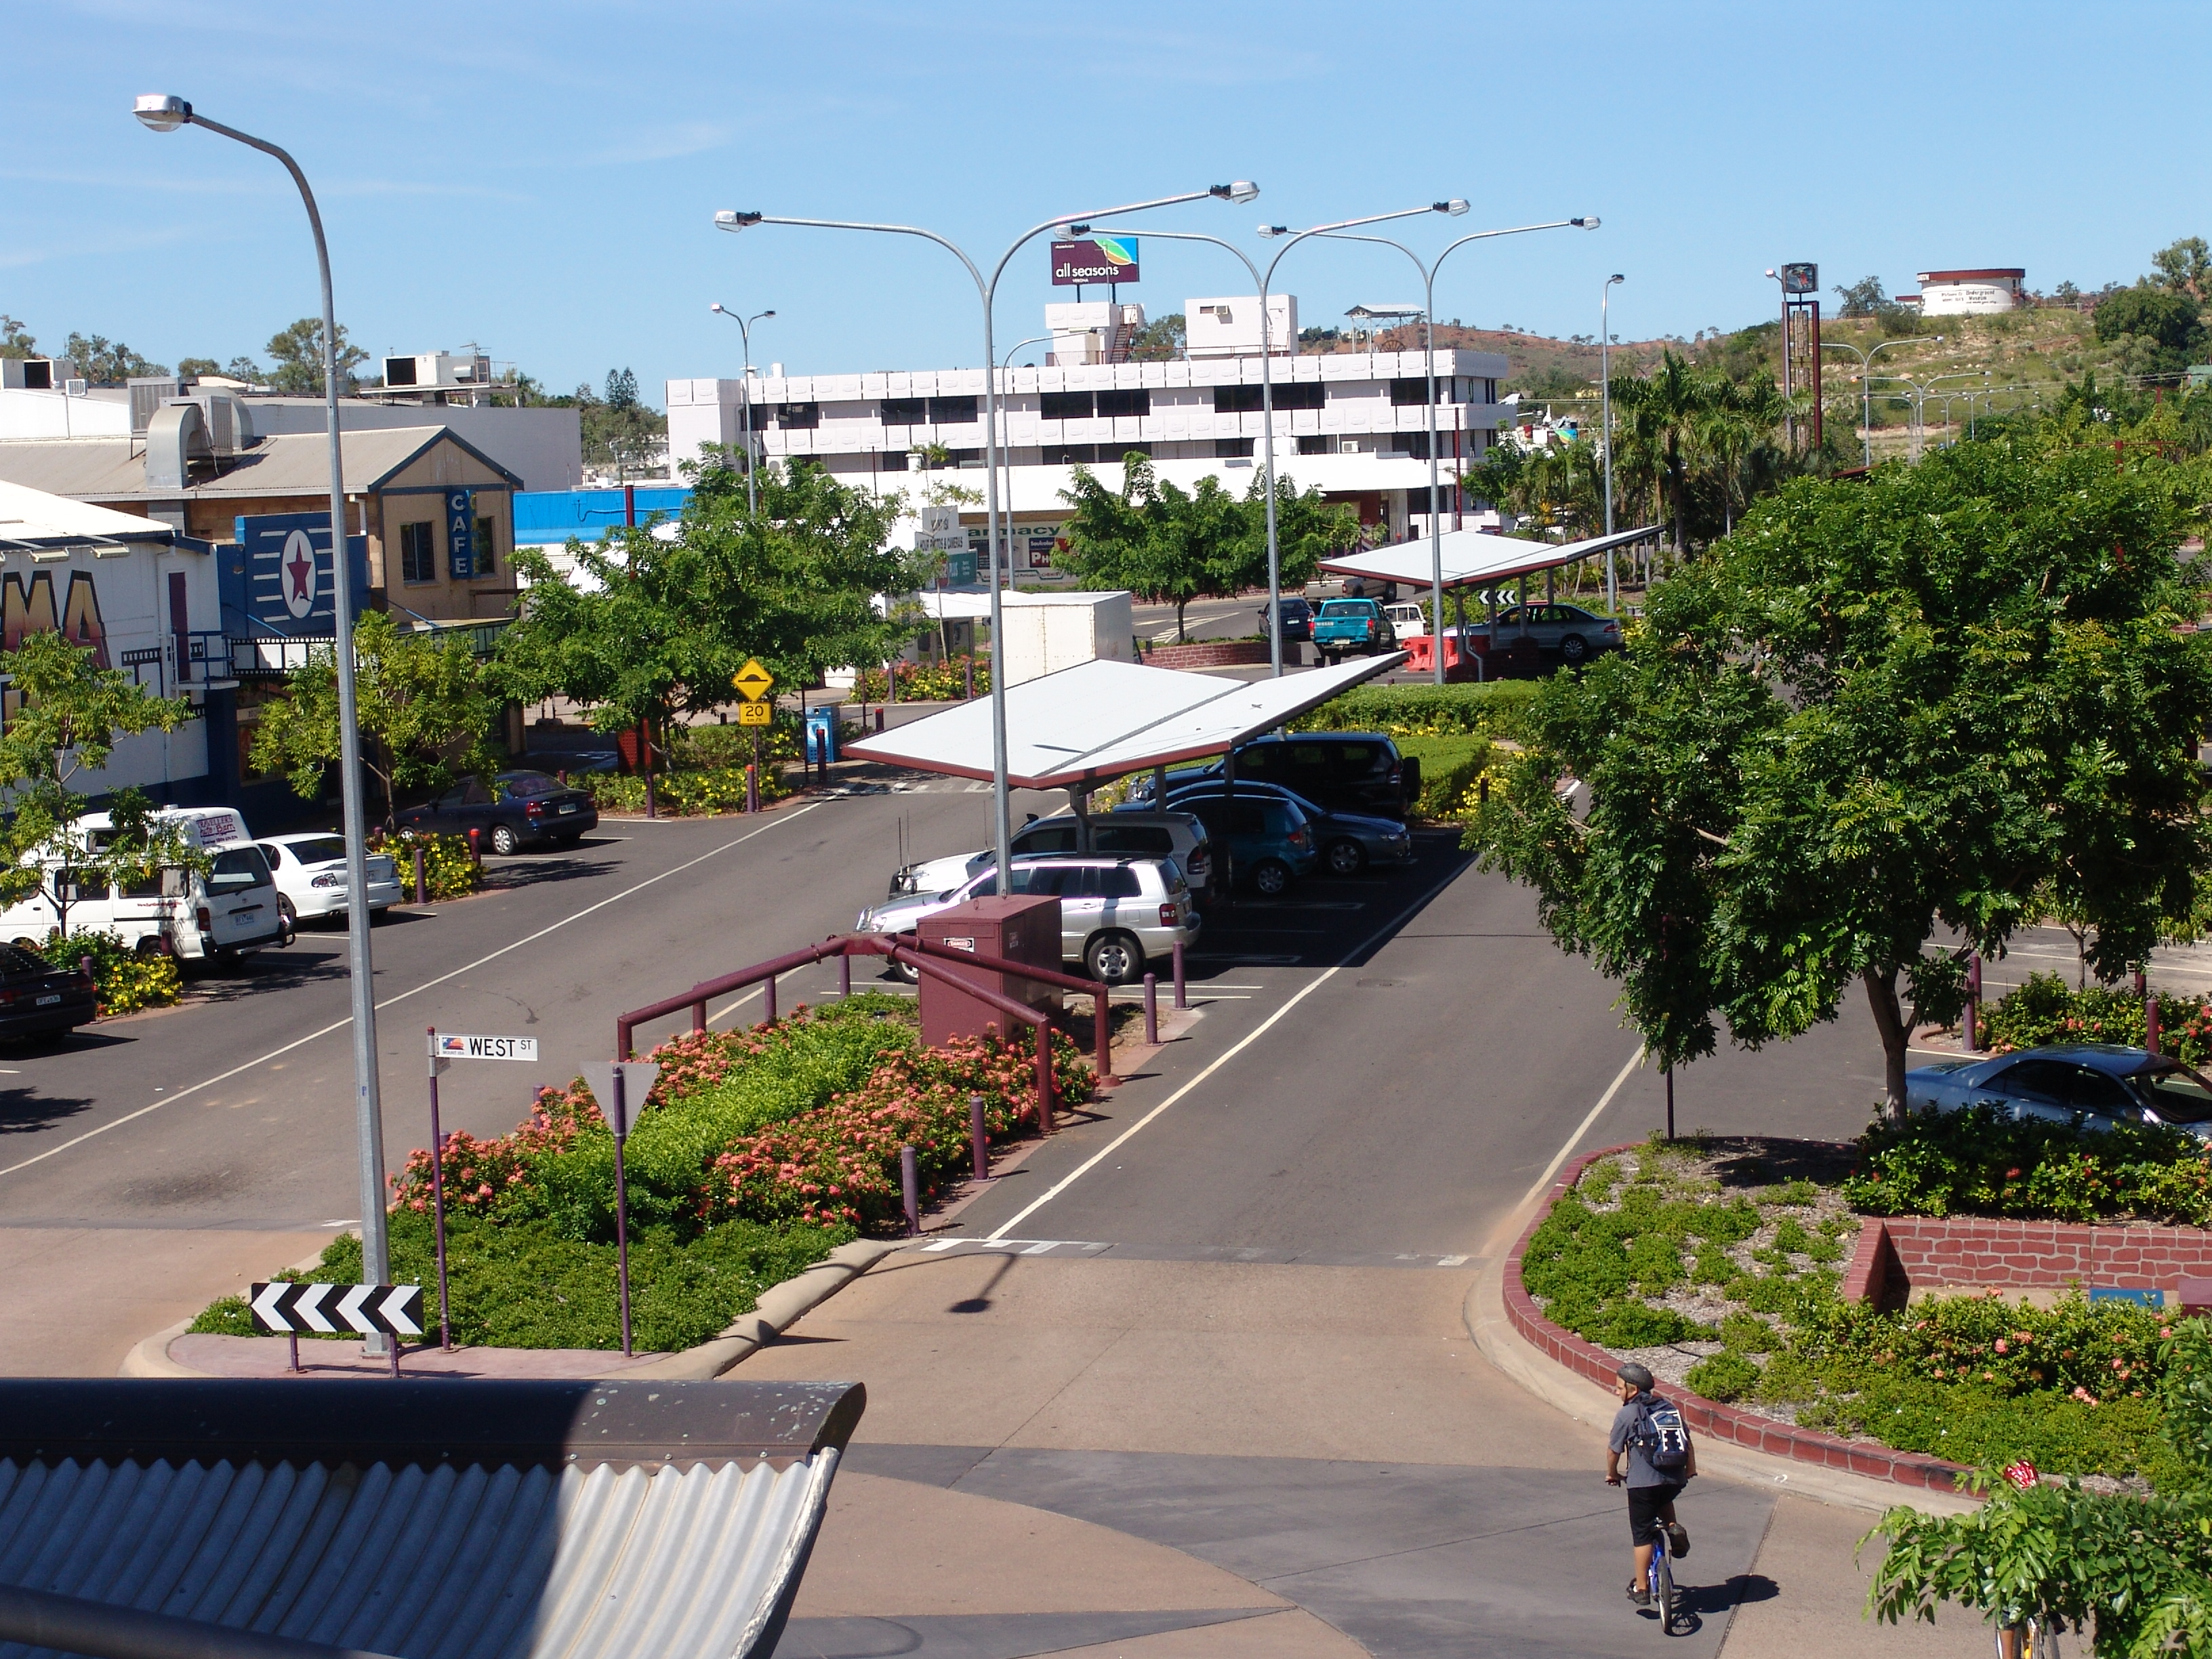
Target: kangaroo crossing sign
325,1309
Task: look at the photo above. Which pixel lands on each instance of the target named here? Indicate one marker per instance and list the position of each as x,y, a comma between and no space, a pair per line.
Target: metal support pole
438,1200
1670,1103
698,1016
910,1191
292,1338
1101,1036
1605,383
422,882
621,1123
1182,997
1151,1011
2150,1024
979,1137
1972,1031
844,976
768,999
1044,1077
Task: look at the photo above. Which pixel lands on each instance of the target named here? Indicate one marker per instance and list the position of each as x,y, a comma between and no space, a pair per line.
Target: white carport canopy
1100,721
1472,559
31,517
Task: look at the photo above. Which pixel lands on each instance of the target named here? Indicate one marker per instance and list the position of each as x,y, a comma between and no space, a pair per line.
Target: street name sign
449,1045
281,1309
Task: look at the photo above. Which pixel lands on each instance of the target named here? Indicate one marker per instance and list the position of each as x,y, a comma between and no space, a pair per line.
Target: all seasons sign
1100,259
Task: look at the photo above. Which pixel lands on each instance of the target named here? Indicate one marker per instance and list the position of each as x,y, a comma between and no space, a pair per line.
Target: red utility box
1020,929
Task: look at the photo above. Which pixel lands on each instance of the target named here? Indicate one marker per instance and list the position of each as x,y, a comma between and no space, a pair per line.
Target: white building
1972,293
1351,425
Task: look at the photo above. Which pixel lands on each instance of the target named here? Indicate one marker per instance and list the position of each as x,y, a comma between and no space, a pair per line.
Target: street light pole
1866,377
163,112
1604,382
986,290
1007,451
1429,346
746,334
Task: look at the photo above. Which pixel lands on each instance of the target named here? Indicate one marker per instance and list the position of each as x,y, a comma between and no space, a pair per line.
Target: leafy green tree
64,714
1867,297
108,365
2170,319
655,626
619,430
420,700
2185,267
1883,707
297,355
194,369
1656,421
1159,341
16,340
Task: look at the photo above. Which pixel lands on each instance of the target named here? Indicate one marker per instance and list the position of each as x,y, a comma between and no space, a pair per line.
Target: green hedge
450,869
1495,710
685,794
2048,1010
927,681
1980,1162
126,982
1449,767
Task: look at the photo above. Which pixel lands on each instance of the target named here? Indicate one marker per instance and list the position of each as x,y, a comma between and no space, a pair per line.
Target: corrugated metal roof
289,463
1100,721
34,516
1470,557
653,1534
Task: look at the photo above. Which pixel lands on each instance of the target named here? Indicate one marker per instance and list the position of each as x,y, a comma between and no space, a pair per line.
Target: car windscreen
2177,1094
237,868
324,849
527,785
1346,608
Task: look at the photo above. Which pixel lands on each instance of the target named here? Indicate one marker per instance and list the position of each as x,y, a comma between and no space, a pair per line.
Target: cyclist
1652,1489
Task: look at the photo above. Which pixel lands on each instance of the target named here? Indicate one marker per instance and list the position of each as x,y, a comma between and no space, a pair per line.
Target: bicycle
2028,1639
1662,1577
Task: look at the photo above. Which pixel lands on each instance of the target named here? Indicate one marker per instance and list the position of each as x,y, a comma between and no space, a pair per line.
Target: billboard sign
1803,278
461,534
1098,260
289,583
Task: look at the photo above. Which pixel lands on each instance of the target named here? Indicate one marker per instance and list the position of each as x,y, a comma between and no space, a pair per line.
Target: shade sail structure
1472,558
31,517
427,1519
1096,721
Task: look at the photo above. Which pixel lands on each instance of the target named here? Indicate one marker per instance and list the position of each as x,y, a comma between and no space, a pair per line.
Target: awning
1472,558
1099,720
32,518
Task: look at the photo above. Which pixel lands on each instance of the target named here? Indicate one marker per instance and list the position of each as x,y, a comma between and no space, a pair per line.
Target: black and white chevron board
281,1309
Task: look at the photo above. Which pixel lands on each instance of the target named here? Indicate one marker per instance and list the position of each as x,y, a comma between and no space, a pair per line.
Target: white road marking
1581,1129
340,1025
1256,1033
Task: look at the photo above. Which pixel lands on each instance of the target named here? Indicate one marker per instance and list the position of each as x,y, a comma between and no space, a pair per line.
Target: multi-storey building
1353,425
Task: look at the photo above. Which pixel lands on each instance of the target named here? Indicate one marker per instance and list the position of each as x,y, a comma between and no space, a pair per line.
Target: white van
230,910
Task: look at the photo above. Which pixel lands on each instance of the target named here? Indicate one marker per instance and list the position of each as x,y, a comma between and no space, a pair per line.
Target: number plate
48,1001
568,806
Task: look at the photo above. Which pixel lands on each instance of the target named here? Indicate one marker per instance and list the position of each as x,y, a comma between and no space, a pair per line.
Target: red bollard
844,976
422,879
768,988
475,849
1971,1030
752,789
2150,1024
1101,1036
1044,1078
980,1137
879,720
1151,1011
910,1191
1182,997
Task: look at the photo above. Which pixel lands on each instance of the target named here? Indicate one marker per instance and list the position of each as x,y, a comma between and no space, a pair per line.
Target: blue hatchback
2097,1086
1268,840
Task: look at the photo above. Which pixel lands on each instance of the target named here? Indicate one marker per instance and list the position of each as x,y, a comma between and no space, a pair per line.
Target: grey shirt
1639,1472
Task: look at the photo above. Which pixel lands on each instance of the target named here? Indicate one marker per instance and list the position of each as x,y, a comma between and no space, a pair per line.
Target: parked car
1344,626
1341,771
1298,619
2098,1085
1576,634
1348,842
511,811
1115,913
311,876
1139,834
1406,621
39,998
1268,842
229,909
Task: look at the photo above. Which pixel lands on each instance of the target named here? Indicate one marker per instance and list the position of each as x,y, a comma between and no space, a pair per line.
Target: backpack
1661,1435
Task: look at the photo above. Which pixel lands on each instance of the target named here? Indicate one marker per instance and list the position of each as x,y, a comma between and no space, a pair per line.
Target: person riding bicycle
1661,1460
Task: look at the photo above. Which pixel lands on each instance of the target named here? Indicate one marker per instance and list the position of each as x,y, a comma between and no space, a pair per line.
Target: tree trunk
1889,1020
1181,633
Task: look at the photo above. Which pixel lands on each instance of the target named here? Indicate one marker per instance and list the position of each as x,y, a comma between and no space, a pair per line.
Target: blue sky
541,178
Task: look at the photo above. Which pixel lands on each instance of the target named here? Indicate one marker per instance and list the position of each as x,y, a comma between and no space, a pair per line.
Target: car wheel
1271,877
152,945
285,913
1114,959
1344,858
504,841
906,971
23,942
1574,648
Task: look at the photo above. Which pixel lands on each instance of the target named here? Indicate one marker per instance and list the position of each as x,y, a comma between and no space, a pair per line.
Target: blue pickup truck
1344,626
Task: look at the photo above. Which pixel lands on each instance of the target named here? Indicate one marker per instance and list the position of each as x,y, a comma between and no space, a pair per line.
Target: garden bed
758,1152
1718,1263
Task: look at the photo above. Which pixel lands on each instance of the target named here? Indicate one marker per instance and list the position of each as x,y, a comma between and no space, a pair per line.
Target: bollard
1151,1011
1670,1103
699,1015
767,998
967,678
844,976
1044,1078
422,879
84,966
979,1135
2150,1024
909,1191
879,721
1181,998
752,789
476,848
1971,1028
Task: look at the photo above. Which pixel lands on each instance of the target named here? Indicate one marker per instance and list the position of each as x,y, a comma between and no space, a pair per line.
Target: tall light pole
1605,384
164,112
1007,451
1429,351
1866,381
746,334
986,290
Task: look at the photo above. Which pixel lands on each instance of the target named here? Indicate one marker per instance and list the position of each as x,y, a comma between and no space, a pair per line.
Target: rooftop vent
36,373
176,437
148,394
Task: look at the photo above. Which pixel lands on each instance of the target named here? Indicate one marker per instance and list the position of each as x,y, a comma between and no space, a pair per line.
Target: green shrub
2045,1009
1495,710
708,747
449,867
1979,1162
685,794
934,682
1726,1376
1449,767
125,981
1746,1335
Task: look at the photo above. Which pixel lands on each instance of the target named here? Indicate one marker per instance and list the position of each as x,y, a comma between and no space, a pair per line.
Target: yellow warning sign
752,681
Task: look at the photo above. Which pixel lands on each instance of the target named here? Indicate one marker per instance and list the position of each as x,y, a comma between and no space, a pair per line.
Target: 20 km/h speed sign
756,714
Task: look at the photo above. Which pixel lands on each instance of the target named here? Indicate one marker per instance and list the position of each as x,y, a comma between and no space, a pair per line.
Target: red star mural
301,570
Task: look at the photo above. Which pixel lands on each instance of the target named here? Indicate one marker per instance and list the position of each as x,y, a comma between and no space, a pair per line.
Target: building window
1064,406
1301,394
1414,391
418,558
1312,444
1125,405
902,411
1490,392
799,417
1237,400
1071,454
1230,449
953,411
894,460
487,543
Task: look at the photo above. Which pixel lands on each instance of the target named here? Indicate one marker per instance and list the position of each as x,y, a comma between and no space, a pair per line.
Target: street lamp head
765,313
1064,232
716,305
1275,230
730,219
1457,207
1241,191
1770,270
1587,222
1615,278
163,112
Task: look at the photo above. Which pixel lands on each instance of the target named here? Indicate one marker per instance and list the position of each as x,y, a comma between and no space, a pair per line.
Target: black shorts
1645,1505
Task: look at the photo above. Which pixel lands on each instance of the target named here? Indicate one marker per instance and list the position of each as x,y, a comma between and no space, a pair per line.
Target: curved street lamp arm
1015,246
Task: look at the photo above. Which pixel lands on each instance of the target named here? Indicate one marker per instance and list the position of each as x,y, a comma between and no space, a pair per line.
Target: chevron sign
325,1309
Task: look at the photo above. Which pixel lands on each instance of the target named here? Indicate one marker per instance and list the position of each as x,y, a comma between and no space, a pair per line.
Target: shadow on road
1324,920
525,870
300,964
25,1111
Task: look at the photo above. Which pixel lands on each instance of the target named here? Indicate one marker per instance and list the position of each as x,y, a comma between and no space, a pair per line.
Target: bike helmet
1637,1376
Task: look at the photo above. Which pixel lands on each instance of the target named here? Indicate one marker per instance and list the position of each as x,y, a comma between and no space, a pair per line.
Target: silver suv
1115,914
1123,832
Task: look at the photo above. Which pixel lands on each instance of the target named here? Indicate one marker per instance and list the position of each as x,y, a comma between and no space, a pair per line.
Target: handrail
696,998
1101,1015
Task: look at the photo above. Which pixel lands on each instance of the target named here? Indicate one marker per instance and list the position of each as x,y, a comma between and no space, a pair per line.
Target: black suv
1339,771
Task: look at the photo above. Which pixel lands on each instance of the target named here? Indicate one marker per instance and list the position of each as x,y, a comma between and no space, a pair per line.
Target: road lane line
340,1025
1251,1037
1581,1129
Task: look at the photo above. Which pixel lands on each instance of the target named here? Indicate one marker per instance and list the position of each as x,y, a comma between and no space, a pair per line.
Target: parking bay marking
1256,1254
339,1025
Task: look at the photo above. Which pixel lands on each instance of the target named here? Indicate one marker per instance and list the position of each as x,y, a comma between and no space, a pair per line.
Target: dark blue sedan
2098,1085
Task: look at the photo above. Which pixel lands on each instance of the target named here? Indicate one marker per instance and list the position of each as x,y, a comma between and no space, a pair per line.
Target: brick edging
1202,654
1775,1439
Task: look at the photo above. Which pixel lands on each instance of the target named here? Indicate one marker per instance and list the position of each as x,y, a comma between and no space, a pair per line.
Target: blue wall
544,517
